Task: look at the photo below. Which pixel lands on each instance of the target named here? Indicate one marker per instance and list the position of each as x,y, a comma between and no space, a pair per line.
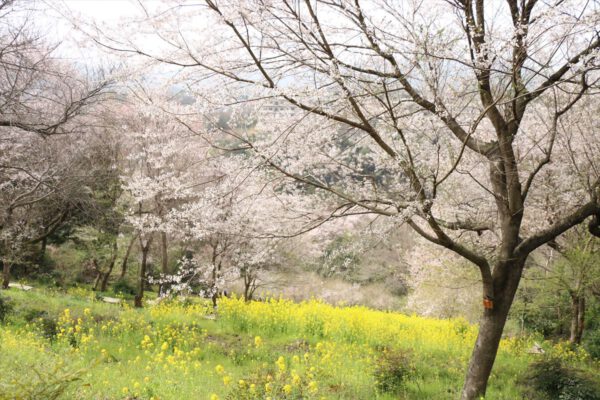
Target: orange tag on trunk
488,304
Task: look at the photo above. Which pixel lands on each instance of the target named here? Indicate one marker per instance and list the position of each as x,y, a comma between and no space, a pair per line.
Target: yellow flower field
78,348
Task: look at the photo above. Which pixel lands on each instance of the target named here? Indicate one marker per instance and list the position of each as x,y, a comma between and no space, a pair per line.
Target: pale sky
102,10
55,23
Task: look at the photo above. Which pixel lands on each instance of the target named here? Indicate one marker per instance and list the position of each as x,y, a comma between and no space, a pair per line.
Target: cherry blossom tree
212,200
41,98
162,168
229,225
442,284
460,118
40,93
45,185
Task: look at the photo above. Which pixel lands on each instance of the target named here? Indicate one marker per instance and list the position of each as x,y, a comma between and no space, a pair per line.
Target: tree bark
43,249
5,274
126,256
106,276
215,293
140,285
249,281
164,258
138,300
491,327
577,318
215,275
163,253
246,290
111,265
98,274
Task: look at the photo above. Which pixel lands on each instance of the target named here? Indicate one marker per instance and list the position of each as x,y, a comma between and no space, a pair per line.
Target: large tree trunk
577,318
491,327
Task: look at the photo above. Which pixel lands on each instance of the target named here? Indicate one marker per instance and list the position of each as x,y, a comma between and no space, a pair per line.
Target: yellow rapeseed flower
281,363
295,379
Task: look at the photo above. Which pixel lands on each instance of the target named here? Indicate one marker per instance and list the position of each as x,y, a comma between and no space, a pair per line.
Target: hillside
69,345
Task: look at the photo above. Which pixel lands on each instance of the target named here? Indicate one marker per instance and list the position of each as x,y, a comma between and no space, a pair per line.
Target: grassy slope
309,350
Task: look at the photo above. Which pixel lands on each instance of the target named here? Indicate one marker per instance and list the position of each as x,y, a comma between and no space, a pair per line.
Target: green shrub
123,287
31,314
591,335
592,343
47,326
43,384
393,368
549,378
6,307
46,264
52,278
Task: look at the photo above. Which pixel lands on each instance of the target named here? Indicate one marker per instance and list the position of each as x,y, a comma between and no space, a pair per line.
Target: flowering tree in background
162,168
467,120
229,224
442,285
211,198
575,270
41,98
48,184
